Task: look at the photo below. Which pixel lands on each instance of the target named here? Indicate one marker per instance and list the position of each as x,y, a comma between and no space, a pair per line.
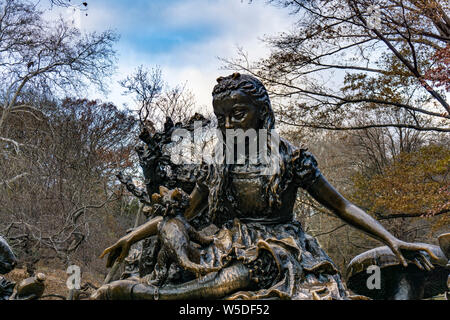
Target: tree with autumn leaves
334,44
414,184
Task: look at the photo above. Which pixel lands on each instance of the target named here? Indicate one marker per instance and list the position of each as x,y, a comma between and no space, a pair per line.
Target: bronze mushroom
419,280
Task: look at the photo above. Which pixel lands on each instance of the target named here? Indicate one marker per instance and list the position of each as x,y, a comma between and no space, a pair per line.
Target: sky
184,38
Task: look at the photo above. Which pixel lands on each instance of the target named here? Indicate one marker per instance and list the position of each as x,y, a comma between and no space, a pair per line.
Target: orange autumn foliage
414,184
439,73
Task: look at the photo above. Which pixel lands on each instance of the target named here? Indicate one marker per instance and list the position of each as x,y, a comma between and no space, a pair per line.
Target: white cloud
235,23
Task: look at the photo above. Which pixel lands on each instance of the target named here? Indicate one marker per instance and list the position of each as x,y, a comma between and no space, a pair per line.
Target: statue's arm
328,196
198,200
120,249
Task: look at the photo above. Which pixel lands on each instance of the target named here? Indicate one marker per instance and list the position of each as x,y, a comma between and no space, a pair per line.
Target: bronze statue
175,235
259,249
8,262
31,288
420,280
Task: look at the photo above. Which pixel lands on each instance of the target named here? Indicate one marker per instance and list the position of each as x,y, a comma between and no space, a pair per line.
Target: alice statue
259,250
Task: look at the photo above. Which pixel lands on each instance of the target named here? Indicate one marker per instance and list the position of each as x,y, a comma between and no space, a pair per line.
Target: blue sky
183,37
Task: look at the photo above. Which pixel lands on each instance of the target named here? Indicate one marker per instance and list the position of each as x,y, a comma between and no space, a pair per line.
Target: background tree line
61,202
367,95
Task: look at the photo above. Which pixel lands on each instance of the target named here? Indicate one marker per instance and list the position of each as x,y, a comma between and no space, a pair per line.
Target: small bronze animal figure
175,235
30,289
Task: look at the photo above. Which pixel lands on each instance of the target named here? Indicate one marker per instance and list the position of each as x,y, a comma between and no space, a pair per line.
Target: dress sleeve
305,168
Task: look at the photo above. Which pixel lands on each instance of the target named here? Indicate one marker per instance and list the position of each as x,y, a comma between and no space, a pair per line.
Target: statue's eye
239,114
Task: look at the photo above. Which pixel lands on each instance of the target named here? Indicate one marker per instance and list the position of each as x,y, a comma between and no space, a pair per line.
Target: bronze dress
285,262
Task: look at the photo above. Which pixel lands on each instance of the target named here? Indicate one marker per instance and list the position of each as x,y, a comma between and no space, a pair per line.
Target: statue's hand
415,252
118,251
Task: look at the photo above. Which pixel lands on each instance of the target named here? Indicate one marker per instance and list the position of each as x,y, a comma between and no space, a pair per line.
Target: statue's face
236,111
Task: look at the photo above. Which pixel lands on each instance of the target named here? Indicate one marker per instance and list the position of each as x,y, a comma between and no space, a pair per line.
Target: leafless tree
156,100
69,3
358,56
40,58
58,210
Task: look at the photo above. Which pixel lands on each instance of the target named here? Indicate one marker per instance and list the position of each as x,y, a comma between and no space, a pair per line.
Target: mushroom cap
444,243
434,281
31,286
40,277
383,257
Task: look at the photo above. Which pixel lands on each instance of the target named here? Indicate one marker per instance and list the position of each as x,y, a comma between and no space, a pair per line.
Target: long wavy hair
223,204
